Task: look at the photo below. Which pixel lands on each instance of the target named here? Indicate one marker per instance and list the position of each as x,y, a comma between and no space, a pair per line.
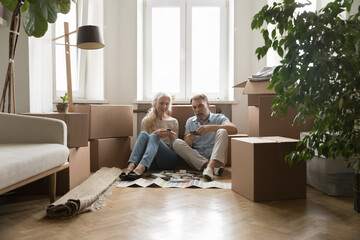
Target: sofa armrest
16,128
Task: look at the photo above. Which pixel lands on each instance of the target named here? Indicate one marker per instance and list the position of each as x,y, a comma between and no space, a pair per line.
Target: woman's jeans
152,152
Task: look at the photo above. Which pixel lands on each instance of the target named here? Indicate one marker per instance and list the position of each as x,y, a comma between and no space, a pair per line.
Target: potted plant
63,107
38,13
319,74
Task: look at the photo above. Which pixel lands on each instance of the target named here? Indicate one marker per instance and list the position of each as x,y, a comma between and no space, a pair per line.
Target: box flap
253,140
281,139
255,87
258,88
240,85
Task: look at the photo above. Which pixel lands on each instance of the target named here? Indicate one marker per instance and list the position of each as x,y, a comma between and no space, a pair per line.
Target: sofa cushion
19,162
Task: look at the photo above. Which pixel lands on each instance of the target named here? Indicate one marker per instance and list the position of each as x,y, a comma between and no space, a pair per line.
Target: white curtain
40,73
92,61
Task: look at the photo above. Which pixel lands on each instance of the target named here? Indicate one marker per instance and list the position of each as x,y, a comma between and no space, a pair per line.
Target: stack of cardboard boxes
259,171
110,128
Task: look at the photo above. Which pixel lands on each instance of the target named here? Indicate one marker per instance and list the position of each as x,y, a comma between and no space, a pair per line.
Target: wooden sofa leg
52,187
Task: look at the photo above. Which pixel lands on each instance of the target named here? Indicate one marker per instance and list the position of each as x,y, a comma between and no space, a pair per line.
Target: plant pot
62,107
356,188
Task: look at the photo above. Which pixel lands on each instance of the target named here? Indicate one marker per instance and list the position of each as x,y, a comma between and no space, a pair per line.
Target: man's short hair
199,96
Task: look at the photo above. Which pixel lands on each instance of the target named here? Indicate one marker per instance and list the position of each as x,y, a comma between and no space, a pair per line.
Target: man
206,138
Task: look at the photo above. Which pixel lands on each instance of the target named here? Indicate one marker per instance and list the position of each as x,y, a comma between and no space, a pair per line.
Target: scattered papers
141,182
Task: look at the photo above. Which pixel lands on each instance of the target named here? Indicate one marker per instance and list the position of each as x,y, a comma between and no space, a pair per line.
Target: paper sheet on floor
167,184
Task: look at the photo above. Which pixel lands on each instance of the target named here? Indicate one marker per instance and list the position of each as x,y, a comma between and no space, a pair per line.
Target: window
186,48
87,66
59,55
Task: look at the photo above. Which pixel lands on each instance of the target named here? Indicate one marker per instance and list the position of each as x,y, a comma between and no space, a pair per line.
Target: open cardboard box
261,121
254,90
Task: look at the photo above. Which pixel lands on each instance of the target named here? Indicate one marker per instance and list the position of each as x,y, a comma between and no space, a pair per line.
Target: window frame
226,66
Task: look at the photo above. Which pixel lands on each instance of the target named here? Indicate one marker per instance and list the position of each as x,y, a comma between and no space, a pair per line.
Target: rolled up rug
84,195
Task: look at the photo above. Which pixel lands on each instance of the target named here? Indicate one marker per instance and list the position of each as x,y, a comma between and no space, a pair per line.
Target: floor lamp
88,37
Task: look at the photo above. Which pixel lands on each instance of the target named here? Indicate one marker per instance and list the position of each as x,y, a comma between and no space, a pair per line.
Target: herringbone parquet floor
156,213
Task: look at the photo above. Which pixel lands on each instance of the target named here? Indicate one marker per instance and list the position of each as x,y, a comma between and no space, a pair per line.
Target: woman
153,147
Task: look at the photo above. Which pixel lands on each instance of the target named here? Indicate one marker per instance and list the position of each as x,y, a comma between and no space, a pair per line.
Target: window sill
84,101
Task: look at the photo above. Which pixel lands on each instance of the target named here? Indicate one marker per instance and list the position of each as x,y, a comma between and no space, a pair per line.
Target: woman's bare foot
140,169
129,168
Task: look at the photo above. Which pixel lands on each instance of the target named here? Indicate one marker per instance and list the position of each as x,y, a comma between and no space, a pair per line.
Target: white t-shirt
169,123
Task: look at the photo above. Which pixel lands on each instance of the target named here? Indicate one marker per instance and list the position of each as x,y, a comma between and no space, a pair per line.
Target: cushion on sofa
22,161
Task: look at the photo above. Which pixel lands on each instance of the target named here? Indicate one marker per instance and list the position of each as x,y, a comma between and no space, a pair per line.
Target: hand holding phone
195,133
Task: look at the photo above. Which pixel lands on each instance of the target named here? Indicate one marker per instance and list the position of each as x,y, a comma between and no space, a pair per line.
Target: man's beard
201,116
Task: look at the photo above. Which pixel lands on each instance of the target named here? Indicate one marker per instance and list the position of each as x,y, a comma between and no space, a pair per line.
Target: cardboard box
78,171
261,123
255,90
108,121
77,126
238,135
109,152
260,173
182,113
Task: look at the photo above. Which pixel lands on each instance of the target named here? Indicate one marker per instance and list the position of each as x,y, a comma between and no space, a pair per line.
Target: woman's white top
169,123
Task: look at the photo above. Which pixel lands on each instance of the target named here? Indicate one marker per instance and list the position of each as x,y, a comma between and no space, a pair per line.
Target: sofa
31,148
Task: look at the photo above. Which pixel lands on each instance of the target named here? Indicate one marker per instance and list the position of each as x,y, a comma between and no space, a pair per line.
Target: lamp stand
68,66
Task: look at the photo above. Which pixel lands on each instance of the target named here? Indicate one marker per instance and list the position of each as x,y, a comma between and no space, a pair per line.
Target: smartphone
195,133
169,129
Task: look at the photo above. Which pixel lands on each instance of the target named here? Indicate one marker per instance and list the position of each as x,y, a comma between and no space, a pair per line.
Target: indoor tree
319,74
37,15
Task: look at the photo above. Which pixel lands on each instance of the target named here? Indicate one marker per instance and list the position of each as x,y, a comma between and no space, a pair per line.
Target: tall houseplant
38,13
319,74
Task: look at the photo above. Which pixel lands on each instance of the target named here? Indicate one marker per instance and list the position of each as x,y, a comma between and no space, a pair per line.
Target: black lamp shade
88,37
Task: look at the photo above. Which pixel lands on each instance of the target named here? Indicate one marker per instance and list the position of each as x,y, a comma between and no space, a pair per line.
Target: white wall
245,62
21,66
120,51
355,7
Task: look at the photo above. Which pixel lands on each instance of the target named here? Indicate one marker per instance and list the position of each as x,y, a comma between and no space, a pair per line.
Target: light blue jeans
152,152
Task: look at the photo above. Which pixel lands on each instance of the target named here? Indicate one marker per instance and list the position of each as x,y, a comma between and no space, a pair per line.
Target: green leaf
265,34
64,6
275,44
52,9
280,51
11,5
35,24
273,33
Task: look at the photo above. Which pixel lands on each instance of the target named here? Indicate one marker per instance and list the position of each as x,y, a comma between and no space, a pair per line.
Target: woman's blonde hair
152,115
